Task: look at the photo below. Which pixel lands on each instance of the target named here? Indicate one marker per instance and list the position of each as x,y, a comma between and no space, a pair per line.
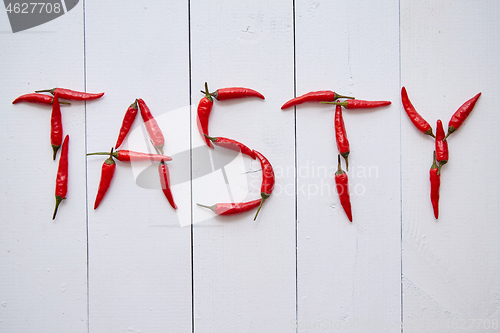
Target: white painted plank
44,271
449,53
348,273
244,271
139,256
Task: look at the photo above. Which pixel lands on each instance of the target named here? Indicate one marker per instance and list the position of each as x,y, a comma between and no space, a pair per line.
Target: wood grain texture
244,271
348,273
450,266
44,262
139,256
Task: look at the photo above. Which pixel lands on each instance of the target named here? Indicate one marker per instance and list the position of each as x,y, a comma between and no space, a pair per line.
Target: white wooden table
136,265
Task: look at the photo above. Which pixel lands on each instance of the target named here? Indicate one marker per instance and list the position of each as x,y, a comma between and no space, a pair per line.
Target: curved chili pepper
134,156
343,190
107,172
268,180
441,145
435,184
203,116
461,114
56,127
128,120
37,99
341,135
417,120
314,96
232,208
152,127
235,92
360,104
62,176
165,183
232,145
72,94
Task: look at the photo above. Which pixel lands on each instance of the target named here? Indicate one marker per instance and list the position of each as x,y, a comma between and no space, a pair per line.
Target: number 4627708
33,8
472,324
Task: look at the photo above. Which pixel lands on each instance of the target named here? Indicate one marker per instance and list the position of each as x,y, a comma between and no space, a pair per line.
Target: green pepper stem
98,153
58,202
215,94
210,138
258,210
345,155
207,93
156,148
212,208
344,104
451,129
434,164
46,90
339,168
112,153
55,149
341,96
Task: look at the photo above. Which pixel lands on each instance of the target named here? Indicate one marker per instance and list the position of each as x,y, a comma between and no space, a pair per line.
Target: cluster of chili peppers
330,97
441,153
158,141
203,115
56,130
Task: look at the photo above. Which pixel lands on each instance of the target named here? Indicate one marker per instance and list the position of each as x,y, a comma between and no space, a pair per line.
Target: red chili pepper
107,172
441,145
232,145
343,190
268,179
128,120
203,116
62,176
314,96
435,184
341,135
56,127
461,114
134,156
233,208
152,127
165,183
37,99
71,94
360,104
235,92
417,120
